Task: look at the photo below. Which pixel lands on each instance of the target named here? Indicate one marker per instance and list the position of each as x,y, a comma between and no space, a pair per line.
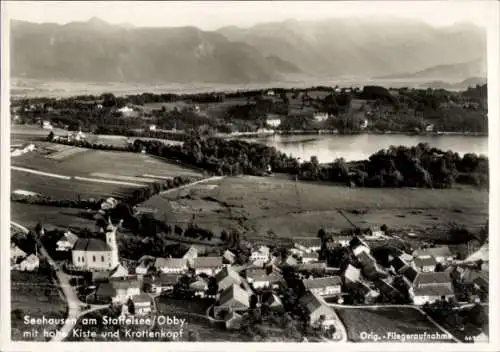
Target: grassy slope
299,209
35,295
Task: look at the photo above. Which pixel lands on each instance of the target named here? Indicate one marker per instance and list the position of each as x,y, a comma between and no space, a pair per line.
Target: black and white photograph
256,171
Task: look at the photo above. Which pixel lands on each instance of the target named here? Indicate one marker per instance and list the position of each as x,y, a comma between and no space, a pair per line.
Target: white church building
96,254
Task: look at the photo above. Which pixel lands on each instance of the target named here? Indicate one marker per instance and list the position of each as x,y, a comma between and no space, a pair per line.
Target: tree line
417,166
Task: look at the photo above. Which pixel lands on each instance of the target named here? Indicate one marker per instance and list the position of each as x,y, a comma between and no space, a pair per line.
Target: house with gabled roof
228,257
310,257
119,271
207,265
409,274
439,253
431,286
16,254
191,253
307,244
66,242
260,256
227,277
146,265
425,264
358,246
261,278
171,265
30,263
397,264
142,303
199,287
125,288
234,298
352,274
162,282
318,311
324,286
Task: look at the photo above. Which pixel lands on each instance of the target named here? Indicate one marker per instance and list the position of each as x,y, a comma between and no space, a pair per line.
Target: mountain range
97,51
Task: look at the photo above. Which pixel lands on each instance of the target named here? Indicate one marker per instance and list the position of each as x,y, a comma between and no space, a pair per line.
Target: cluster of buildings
20,260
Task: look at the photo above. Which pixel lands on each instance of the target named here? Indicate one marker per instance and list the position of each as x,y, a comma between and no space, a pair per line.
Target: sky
210,15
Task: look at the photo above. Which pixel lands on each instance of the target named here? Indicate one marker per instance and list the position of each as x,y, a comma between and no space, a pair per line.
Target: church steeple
111,241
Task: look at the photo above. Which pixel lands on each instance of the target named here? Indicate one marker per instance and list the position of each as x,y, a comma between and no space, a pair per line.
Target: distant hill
462,85
450,72
97,51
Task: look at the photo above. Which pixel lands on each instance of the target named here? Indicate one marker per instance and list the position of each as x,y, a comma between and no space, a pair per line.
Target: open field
36,295
382,321
298,209
99,161
29,215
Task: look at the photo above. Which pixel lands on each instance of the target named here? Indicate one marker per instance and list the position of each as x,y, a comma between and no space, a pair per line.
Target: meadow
256,205
35,295
381,321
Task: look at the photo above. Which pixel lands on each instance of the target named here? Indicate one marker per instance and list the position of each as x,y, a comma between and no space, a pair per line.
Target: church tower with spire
111,241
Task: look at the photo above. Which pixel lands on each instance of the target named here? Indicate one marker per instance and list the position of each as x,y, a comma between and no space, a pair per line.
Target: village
297,281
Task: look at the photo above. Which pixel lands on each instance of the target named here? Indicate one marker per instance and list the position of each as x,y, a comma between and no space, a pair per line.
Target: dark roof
432,278
178,263
308,241
207,262
227,272
141,298
166,279
366,259
262,275
124,283
409,273
482,281
105,289
434,290
91,244
355,242
397,263
426,261
322,282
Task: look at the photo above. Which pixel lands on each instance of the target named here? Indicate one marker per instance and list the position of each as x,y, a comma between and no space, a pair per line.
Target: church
96,254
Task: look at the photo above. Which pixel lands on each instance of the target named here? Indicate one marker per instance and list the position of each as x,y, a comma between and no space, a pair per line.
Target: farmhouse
325,286
260,256
341,240
310,257
358,246
440,254
207,265
227,277
319,312
142,304
171,265
16,254
425,264
160,283
199,287
431,287
120,290
233,321
234,298
260,278
95,254
119,271
30,263
352,274
66,242
146,263
308,244
228,257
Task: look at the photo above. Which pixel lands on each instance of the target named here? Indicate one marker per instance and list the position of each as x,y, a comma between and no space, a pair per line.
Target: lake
357,147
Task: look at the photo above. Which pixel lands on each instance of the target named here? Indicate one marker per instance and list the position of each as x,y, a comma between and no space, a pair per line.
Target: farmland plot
379,322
